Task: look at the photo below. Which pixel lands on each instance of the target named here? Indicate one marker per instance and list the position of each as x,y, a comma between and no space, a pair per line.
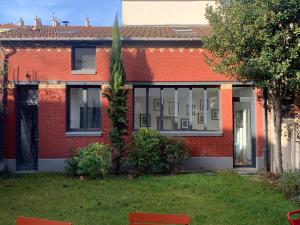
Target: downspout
265,121
2,105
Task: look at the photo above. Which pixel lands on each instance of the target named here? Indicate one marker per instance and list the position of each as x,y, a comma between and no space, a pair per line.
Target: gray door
27,127
244,143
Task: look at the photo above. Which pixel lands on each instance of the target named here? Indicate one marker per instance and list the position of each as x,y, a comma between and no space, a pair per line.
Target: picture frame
201,104
213,102
145,120
214,114
200,118
184,123
171,108
156,104
188,110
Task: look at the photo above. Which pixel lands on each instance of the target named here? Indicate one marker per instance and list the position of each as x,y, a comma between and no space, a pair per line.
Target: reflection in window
84,108
140,117
213,114
198,104
177,109
84,58
169,109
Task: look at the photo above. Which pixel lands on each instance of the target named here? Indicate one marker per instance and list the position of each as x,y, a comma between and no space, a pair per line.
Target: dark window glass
84,58
84,108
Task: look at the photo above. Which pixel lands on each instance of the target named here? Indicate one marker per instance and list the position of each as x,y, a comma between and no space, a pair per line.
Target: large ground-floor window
83,108
177,108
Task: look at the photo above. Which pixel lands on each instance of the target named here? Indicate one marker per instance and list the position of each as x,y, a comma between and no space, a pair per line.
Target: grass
224,198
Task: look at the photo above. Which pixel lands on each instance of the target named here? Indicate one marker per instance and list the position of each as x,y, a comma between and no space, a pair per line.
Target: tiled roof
104,33
7,26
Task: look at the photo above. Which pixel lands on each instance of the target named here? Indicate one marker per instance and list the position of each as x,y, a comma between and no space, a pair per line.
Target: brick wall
169,65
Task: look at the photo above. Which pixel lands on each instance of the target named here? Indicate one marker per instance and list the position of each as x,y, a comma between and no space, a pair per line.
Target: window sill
83,134
85,72
192,133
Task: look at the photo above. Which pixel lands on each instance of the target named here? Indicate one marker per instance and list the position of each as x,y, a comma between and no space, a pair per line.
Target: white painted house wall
165,12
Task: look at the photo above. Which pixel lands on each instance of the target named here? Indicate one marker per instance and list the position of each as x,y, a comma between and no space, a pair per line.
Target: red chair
291,220
157,219
36,221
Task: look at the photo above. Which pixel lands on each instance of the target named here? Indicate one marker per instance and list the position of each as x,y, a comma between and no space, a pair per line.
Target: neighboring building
56,75
6,27
166,12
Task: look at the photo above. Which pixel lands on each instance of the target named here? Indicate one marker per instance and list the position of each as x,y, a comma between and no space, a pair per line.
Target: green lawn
223,199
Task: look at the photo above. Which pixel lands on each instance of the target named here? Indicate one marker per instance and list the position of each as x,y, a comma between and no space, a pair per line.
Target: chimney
55,22
21,23
87,21
37,22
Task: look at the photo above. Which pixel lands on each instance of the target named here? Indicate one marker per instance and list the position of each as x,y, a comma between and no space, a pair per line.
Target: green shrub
151,152
92,161
71,165
175,149
144,151
289,183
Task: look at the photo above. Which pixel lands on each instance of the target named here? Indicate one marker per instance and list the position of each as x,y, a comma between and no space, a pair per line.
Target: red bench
36,221
291,220
157,219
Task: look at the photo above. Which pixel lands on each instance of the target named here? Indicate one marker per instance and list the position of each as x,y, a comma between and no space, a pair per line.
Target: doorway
27,127
244,130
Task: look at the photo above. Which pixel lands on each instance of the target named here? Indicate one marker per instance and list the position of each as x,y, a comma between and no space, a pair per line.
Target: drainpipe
2,105
265,118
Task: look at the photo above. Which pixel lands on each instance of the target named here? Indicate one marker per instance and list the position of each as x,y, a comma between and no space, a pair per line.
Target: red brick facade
142,65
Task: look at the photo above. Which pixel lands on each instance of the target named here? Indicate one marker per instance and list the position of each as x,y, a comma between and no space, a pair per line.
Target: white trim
83,134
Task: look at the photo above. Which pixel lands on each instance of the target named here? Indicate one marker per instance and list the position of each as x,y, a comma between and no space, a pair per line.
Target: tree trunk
277,120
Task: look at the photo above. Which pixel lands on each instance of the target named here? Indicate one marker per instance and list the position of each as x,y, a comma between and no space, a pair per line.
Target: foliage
151,152
175,149
289,183
218,199
116,94
71,165
258,41
93,161
145,151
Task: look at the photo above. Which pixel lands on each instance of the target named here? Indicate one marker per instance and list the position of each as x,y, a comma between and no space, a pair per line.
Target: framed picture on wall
156,104
201,104
213,102
200,118
145,121
184,123
188,110
171,108
214,114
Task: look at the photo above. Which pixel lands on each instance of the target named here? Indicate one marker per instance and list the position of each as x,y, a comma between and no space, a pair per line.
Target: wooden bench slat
150,218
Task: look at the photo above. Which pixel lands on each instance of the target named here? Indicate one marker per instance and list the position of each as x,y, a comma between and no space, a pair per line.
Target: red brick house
54,101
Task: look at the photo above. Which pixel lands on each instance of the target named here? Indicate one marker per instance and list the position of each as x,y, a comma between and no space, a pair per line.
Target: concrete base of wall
194,163
208,163
53,165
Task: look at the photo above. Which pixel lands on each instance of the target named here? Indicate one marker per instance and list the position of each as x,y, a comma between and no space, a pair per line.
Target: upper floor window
177,108
83,108
84,58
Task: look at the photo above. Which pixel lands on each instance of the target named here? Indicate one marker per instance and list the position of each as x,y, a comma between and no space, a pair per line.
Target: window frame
87,71
182,132
85,111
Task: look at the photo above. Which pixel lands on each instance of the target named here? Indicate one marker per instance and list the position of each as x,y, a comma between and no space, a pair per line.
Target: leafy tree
258,41
116,94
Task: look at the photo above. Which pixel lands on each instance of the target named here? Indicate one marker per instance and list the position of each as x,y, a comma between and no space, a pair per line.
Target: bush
92,161
151,152
71,165
144,151
289,183
175,149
